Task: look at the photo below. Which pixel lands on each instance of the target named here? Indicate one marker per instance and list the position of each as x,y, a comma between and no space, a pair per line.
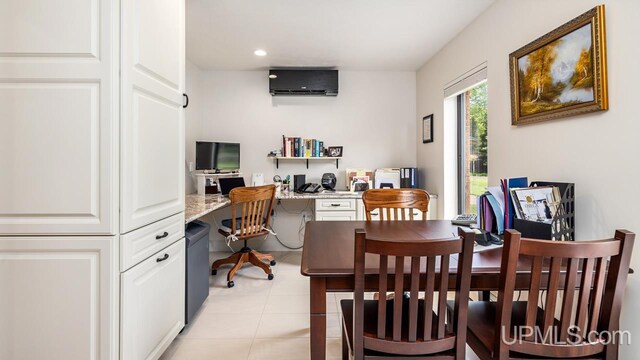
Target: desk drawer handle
164,235
335,205
374,214
165,257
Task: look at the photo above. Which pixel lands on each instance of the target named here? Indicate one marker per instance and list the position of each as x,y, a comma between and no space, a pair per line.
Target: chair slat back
396,204
428,271
574,269
255,204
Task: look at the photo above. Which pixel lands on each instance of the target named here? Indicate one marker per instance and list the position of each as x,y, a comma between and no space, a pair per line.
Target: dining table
328,261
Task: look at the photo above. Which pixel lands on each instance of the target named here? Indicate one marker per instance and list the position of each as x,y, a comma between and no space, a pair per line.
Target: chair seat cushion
228,223
482,324
371,323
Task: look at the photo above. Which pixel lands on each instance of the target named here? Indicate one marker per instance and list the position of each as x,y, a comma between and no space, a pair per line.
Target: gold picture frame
561,74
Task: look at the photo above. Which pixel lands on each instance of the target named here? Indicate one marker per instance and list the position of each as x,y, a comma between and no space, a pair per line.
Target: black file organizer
562,225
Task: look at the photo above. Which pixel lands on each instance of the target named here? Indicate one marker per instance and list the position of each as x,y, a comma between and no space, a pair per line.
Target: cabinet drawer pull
335,205
165,257
164,235
374,214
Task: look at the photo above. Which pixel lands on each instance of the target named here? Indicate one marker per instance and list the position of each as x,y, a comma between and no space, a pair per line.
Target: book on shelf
293,146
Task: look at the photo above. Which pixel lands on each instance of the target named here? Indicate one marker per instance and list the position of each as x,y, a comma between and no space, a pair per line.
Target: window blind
466,81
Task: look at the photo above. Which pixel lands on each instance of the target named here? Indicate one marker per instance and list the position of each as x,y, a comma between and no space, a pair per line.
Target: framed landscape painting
563,73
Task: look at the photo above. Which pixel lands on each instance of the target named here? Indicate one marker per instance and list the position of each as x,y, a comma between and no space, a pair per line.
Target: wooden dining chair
396,204
256,204
590,305
405,327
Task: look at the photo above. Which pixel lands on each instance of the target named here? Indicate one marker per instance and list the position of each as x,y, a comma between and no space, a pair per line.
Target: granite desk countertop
197,206
325,195
319,195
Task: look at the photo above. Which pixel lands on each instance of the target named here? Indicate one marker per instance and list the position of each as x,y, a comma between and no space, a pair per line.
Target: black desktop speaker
298,180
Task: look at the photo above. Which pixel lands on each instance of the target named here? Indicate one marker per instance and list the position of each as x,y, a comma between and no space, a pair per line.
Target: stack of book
301,147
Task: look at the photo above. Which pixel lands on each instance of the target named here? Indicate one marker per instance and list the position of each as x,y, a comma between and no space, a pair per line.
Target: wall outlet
191,167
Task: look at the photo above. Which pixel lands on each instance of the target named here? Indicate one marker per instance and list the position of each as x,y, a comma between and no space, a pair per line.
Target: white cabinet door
59,298
58,117
152,304
335,215
152,126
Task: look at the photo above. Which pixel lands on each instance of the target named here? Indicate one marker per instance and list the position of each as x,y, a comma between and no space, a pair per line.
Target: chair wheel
270,276
272,263
214,272
230,284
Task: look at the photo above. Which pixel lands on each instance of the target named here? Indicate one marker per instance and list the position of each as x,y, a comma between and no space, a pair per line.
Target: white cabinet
58,117
59,297
335,215
152,124
152,304
91,145
144,242
335,209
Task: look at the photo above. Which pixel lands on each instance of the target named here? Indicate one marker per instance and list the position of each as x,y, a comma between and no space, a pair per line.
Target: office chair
256,203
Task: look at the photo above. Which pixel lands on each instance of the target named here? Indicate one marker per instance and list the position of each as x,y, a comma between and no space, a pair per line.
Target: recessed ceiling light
273,76
260,52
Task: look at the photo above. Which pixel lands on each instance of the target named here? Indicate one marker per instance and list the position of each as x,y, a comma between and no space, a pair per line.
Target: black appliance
217,156
303,82
329,181
409,178
298,181
197,267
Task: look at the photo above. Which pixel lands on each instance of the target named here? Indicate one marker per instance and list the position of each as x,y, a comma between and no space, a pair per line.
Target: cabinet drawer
335,215
152,304
142,243
335,204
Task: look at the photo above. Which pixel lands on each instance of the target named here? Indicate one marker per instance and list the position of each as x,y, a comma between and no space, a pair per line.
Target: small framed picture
334,151
427,129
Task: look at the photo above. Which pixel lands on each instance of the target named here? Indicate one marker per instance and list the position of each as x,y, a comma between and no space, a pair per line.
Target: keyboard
465,219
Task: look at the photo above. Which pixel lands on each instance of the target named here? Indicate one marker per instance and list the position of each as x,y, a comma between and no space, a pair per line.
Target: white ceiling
347,34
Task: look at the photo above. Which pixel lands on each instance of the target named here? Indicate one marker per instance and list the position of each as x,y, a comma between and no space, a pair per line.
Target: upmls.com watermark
573,336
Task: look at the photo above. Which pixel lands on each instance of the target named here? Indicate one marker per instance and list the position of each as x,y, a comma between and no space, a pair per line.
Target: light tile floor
257,318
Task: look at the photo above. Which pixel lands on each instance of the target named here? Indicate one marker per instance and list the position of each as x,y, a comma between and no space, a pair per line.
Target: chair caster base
230,284
272,263
214,272
270,276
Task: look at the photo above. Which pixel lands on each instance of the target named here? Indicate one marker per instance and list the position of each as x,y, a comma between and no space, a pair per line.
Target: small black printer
329,181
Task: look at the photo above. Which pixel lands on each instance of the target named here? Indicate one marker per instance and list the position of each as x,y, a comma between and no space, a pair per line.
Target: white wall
373,118
599,152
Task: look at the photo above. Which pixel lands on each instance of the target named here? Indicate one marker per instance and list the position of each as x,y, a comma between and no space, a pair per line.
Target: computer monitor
218,156
229,183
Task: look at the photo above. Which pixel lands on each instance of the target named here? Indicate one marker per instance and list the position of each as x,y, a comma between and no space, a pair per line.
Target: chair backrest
581,269
396,204
256,203
429,273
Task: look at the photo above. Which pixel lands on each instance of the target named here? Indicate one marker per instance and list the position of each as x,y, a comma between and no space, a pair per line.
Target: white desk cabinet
335,209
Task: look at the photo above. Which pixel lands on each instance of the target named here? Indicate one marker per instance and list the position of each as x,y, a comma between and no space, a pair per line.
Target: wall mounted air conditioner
303,82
